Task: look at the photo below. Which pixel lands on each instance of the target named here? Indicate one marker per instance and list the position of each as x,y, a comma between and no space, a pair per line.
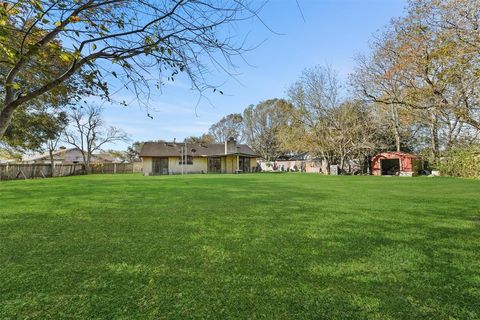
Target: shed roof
170,149
399,154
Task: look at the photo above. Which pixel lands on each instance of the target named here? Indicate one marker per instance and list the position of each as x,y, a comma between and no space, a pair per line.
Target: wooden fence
30,171
112,168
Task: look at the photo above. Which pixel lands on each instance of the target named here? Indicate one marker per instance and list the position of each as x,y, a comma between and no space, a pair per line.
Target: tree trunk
342,162
434,134
397,142
367,163
6,115
396,129
86,161
329,161
52,162
88,168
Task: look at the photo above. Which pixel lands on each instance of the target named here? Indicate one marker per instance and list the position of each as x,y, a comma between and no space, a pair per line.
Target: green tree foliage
203,139
424,75
461,162
229,126
133,152
32,129
263,124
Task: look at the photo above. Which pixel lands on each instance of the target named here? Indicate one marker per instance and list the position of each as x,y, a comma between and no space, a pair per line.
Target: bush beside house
461,162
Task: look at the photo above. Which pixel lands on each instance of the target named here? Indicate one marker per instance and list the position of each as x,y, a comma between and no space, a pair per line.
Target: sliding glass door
215,165
244,164
160,166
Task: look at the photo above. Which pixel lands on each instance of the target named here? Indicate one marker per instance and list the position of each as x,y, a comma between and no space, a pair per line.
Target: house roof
57,154
399,154
7,156
169,149
107,157
294,157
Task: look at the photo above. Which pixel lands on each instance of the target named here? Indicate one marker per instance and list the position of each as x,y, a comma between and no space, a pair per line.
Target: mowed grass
264,246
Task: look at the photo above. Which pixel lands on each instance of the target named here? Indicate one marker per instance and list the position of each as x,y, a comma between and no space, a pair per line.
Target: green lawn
273,246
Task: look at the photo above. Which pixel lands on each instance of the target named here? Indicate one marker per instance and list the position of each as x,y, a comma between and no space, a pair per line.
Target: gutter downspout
238,158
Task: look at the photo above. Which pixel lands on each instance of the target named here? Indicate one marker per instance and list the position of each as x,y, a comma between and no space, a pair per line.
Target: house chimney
230,146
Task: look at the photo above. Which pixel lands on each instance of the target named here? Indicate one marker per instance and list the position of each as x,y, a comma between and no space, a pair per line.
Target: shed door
390,167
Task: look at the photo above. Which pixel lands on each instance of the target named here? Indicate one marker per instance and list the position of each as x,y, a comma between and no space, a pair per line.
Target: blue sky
333,33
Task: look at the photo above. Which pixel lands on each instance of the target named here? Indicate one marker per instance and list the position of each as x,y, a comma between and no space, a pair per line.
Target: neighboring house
69,156
7,156
301,162
61,156
106,157
169,158
7,160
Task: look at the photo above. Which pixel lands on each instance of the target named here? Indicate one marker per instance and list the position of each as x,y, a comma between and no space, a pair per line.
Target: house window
181,160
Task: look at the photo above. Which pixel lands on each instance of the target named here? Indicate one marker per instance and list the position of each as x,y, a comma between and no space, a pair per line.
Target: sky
310,33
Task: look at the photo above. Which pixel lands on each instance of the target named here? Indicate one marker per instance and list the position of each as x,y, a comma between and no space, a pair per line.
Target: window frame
181,160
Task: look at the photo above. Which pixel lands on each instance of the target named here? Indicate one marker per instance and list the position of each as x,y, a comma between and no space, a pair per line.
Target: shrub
461,162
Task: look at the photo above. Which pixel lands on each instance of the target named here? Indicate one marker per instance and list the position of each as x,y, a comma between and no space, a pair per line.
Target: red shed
396,163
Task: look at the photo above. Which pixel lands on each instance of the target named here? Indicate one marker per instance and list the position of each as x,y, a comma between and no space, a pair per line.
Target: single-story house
396,163
302,162
174,158
69,156
107,157
61,156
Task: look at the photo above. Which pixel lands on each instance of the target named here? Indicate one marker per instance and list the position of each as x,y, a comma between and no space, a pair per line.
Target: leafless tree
313,96
328,125
55,137
374,82
89,133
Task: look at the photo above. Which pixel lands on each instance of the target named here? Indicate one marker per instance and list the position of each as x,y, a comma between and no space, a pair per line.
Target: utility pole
185,151
181,158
